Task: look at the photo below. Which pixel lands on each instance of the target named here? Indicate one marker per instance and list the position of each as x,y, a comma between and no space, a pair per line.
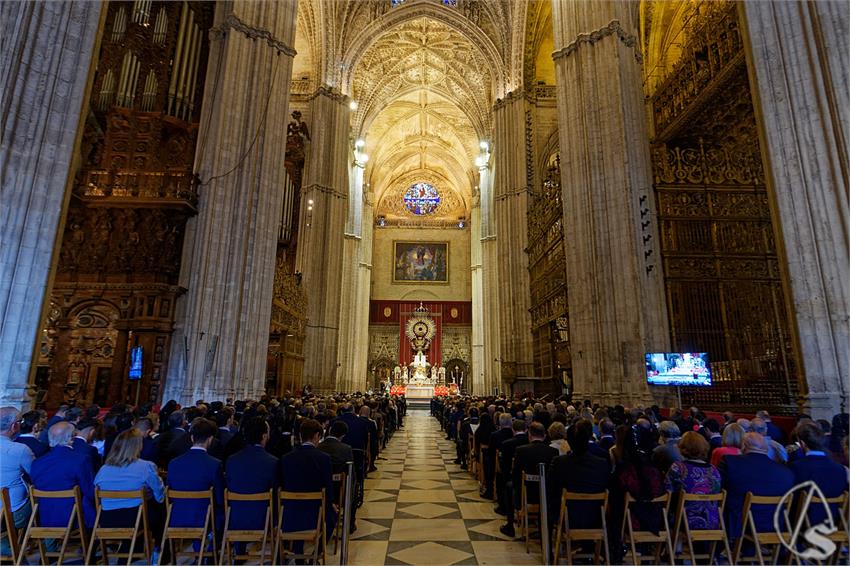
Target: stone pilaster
221,340
321,242
45,63
478,377
800,79
616,302
510,207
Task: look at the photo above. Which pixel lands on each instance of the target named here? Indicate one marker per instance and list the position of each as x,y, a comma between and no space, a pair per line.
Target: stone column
510,206
45,65
220,343
616,295
800,79
321,239
478,382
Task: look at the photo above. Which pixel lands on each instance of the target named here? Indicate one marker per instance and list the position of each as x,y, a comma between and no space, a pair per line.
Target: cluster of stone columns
45,69
321,240
220,344
617,307
510,208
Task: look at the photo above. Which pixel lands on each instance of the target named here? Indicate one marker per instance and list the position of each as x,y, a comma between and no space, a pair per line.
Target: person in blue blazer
756,472
197,471
816,466
358,429
307,469
28,434
60,469
85,430
251,470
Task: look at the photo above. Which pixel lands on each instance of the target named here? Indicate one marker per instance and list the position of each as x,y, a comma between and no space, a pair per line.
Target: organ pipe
184,58
175,67
193,74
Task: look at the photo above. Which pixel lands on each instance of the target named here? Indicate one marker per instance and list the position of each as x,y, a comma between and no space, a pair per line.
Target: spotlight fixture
310,201
353,105
479,161
484,145
359,143
382,221
461,223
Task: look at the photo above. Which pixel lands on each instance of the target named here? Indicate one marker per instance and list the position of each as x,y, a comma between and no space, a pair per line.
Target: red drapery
434,353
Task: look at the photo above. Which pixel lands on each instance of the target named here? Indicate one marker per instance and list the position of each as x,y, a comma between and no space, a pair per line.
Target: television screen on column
678,368
135,363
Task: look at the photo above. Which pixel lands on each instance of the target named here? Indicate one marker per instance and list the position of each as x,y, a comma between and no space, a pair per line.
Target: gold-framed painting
420,262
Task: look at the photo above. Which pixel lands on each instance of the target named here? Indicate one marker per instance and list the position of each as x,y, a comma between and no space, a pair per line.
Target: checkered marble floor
421,508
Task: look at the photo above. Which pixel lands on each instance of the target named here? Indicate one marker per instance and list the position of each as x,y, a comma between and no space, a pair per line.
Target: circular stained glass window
422,198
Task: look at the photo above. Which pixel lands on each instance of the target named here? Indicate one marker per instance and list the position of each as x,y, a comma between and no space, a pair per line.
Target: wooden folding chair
682,528
343,494
662,540
482,450
497,470
841,537
768,540
73,529
317,536
105,535
7,527
182,534
598,536
230,536
527,511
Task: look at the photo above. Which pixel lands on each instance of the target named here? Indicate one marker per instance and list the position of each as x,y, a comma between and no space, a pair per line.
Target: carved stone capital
232,21
598,35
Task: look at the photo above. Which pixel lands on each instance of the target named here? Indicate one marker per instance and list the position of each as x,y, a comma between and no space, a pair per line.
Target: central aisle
421,508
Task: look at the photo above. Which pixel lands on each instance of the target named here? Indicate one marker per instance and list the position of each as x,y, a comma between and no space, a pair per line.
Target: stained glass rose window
422,198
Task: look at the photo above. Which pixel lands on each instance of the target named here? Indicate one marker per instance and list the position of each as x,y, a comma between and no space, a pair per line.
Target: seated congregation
630,485
265,480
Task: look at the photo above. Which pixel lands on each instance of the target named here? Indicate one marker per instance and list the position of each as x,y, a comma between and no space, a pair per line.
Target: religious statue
396,373
434,374
404,374
442,374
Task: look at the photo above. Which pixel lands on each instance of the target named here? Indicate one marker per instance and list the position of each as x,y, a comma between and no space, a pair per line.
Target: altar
419,391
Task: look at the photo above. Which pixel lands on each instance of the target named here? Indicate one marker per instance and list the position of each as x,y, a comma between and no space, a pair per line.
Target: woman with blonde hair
733,436
124,471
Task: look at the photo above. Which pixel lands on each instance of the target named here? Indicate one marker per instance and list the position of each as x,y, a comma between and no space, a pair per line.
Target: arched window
422,198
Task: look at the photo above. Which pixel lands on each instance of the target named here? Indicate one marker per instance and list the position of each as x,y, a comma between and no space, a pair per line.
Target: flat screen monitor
136,363
677,368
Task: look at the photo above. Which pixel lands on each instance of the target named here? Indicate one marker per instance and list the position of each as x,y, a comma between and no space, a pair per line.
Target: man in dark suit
29,434
333,446
340,454
506,462
467,428
357,437
60,469
365,416
503,433
606,435
527,458
85,431
251,470
176,429
307,469
197,471
773,431
145,426
578,472
818,467
755,472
